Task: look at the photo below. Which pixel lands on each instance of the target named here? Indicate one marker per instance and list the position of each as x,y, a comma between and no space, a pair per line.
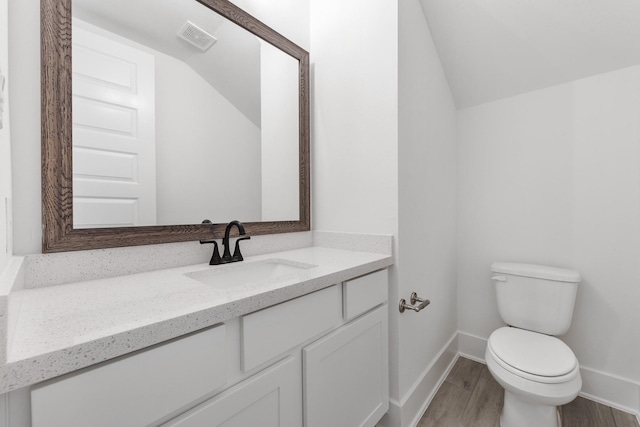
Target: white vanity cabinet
317,360
346,374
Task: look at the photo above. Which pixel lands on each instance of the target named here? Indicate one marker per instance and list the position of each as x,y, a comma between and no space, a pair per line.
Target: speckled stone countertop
59,329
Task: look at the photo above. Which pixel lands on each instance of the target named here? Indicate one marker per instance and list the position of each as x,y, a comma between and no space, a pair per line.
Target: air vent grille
196,36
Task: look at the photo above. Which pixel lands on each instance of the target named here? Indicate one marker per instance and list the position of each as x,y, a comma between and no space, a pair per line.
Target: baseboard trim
602,387
430,382
472,346
610,403
408,411
611,390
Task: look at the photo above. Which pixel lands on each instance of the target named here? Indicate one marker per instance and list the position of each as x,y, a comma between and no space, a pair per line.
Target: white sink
228,276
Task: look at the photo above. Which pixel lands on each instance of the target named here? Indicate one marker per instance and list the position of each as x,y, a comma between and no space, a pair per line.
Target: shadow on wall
580,339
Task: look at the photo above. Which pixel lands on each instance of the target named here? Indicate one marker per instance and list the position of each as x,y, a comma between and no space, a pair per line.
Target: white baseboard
611,390
472,346
414,406
408,411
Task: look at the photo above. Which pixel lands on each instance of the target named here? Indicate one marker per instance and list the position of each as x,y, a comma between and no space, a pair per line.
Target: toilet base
517,412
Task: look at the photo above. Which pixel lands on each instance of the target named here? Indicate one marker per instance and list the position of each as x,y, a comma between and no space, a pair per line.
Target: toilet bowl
538,372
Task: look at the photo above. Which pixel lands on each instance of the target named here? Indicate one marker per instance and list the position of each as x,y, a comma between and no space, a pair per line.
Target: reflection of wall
207,152
207,142
5,148
553,177
279,107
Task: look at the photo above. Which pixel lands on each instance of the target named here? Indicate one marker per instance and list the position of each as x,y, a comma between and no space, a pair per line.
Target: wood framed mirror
61,233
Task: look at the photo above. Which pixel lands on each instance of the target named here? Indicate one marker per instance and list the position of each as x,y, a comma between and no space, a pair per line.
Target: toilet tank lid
536,271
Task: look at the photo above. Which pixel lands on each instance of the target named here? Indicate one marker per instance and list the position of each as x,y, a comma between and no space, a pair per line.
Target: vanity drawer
270,398
364,293
135,390
274,330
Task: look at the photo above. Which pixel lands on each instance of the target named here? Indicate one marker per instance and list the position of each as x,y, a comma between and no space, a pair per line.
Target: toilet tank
535,297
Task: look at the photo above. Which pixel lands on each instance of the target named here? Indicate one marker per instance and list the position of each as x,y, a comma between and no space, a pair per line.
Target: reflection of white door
113,133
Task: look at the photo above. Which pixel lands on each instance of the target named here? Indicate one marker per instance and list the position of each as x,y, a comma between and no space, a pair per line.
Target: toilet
537,371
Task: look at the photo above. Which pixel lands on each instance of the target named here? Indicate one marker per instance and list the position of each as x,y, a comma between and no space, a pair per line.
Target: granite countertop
58,329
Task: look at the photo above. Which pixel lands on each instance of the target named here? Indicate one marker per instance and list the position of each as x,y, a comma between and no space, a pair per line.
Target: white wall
427,203
553,177
279,98
208,152
5,146
24,91
354,115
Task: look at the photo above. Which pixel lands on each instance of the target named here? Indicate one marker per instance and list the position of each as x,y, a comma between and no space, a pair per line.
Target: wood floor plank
586,413
484,373
445,408
624,419
485,403
465,373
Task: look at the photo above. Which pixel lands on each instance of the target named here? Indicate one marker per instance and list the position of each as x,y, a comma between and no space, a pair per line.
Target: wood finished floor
470,397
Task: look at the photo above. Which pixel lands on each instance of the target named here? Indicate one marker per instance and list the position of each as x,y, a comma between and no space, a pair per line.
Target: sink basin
232,275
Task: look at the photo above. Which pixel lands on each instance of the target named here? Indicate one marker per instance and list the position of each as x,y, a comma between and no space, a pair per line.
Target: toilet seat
533,356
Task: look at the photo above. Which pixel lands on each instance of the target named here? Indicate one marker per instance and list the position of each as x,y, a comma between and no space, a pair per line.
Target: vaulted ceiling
492,49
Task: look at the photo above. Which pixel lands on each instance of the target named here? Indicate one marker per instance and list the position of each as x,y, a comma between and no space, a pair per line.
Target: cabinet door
346,374
268,399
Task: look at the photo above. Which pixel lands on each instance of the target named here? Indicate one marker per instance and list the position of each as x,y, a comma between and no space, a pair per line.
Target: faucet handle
202,242
237,256
215,258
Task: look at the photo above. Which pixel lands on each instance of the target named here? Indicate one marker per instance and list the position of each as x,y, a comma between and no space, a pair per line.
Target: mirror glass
157,114
179,114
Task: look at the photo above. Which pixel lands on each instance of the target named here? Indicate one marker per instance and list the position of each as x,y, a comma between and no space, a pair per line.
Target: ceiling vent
196,36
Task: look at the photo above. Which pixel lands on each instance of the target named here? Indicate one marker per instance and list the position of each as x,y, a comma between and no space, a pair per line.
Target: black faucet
215,258
237,256
227,257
